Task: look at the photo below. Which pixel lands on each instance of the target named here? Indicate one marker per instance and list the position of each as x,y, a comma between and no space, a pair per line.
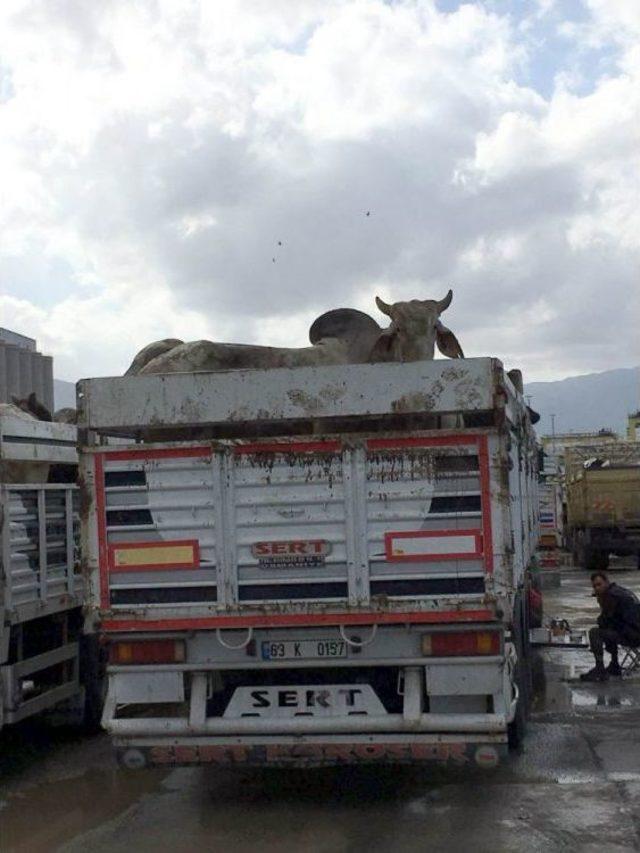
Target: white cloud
154,154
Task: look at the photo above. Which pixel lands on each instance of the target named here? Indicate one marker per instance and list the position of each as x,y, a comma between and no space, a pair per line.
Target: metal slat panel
347,502
40,536
404,488
283,499
157,500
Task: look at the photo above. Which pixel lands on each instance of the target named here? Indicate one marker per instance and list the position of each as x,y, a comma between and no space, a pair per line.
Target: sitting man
618,624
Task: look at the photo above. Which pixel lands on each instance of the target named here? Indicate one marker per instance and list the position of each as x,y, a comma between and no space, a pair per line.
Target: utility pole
553,431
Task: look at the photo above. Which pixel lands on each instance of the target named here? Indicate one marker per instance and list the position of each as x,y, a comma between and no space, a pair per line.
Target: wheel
596,560
94,682
517,728
581,551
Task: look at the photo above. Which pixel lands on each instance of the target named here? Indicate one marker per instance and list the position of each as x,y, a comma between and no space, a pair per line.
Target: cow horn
443,304
383,306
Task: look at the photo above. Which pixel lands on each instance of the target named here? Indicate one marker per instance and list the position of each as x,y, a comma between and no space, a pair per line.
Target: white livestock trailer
312,565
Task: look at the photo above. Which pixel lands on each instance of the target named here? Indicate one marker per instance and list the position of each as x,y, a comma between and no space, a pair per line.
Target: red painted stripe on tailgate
296,619
158,453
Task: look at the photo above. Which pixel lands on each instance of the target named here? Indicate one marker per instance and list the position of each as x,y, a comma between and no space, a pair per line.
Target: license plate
303,649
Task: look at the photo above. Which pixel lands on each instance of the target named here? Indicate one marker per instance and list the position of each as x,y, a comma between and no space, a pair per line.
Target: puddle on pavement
557,688
556,671
39,818
565,697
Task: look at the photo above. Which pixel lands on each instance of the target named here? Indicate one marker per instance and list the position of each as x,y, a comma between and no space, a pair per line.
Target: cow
341,336
32,406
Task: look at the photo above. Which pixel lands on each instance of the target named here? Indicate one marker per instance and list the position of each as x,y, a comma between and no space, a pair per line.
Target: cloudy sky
154,155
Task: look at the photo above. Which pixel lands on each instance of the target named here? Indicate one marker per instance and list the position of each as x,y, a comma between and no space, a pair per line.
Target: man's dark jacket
620,612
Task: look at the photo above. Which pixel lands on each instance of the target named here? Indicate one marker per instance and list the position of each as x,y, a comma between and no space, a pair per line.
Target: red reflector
147,651
461,643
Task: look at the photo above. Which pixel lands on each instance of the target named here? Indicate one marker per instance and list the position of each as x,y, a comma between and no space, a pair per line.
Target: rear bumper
485,751
182,727
189,735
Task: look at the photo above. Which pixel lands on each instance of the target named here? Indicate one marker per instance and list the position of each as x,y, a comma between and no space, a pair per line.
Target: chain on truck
311,566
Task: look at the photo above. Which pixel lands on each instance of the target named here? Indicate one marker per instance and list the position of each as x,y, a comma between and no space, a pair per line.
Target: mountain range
580,403
586,403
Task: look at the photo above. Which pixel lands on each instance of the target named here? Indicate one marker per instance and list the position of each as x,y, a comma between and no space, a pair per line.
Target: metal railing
39,546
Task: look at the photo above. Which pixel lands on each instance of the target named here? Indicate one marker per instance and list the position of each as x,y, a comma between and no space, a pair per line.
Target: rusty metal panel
191,399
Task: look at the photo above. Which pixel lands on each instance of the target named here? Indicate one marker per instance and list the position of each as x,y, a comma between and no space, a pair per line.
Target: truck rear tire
596,560
93,679
581,552
517,728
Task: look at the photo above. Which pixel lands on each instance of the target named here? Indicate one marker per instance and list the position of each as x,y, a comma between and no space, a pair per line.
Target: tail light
147,651
461,643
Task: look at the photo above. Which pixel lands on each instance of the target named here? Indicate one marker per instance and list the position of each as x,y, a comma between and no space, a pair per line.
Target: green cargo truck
603,502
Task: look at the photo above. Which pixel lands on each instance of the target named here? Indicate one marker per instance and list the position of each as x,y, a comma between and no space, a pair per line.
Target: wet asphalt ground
575,786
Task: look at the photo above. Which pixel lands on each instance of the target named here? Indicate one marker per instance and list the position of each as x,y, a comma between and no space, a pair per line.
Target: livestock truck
43,657
603,502
310,566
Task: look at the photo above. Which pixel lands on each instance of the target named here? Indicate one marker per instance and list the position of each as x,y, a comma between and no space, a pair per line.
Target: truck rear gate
304,527
276,594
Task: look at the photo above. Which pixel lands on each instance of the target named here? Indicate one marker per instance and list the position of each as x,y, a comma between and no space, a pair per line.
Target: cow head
416,329
32,406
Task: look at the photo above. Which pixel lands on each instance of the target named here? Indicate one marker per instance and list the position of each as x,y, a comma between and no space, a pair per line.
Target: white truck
41,590
308,566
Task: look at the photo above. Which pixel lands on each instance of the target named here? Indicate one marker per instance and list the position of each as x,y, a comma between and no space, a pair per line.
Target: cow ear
447,342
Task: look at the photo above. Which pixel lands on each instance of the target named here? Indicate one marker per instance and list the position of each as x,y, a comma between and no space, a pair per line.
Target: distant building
555,444
24,370
633,426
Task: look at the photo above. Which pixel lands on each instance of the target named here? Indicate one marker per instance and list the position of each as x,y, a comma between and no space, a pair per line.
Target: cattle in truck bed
341,336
